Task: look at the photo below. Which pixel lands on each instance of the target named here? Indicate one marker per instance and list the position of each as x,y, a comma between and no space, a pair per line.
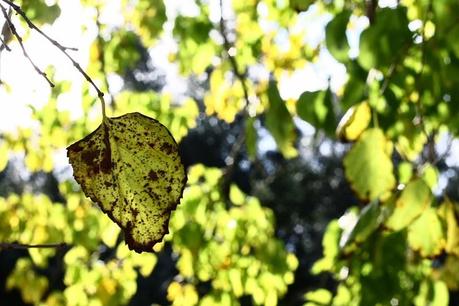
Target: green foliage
398,245
235,249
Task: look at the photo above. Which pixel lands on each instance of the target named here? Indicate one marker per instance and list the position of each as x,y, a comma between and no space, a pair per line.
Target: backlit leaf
3,155
447,213
317,109
354,122
131,168
426,234
368,165
382,42
412,202
279,122
336,36
371,217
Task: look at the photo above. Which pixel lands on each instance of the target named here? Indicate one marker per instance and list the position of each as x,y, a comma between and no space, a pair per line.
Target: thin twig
230,161
227,46
24,51
22,246
32,26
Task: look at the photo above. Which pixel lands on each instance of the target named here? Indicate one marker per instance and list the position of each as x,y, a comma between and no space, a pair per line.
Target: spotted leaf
131,168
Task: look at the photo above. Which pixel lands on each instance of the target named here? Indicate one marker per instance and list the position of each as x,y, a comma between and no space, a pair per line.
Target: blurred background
319,139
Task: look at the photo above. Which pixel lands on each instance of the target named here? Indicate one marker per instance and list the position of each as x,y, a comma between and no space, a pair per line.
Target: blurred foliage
249,233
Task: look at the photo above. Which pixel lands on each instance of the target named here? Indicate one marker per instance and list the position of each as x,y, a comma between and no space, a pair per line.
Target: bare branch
240,140
21,246
24,51
32,26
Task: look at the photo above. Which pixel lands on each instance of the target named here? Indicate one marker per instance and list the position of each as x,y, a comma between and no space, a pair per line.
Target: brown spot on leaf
153,175
167,148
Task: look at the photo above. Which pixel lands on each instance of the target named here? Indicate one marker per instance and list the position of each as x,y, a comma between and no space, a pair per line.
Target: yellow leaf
354,122
131,168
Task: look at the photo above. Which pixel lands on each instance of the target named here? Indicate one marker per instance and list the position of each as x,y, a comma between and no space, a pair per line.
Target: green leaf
317,109
405,172
371,217
414,199
279,122
131,168
40,12
426,234
368,165
430,175
330,245
336,36
318,297
382,42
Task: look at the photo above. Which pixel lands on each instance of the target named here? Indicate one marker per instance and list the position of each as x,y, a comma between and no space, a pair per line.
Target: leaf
3,155
131,168
336,36
371,217
318,297
354,122
279,122
317,109
426,234
414,199
447,213
368,165
382,42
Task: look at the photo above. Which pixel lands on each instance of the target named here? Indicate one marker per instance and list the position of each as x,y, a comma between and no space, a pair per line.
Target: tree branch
24,51
227,46
21,246
63,49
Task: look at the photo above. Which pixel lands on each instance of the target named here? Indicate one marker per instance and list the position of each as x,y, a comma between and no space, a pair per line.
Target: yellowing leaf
3,155
447,213
368,165
412,202
131,168
426,234
354,122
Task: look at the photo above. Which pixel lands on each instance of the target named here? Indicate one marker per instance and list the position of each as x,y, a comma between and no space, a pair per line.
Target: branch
19,38
242,79
6,33
227,46
63,49
21,246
